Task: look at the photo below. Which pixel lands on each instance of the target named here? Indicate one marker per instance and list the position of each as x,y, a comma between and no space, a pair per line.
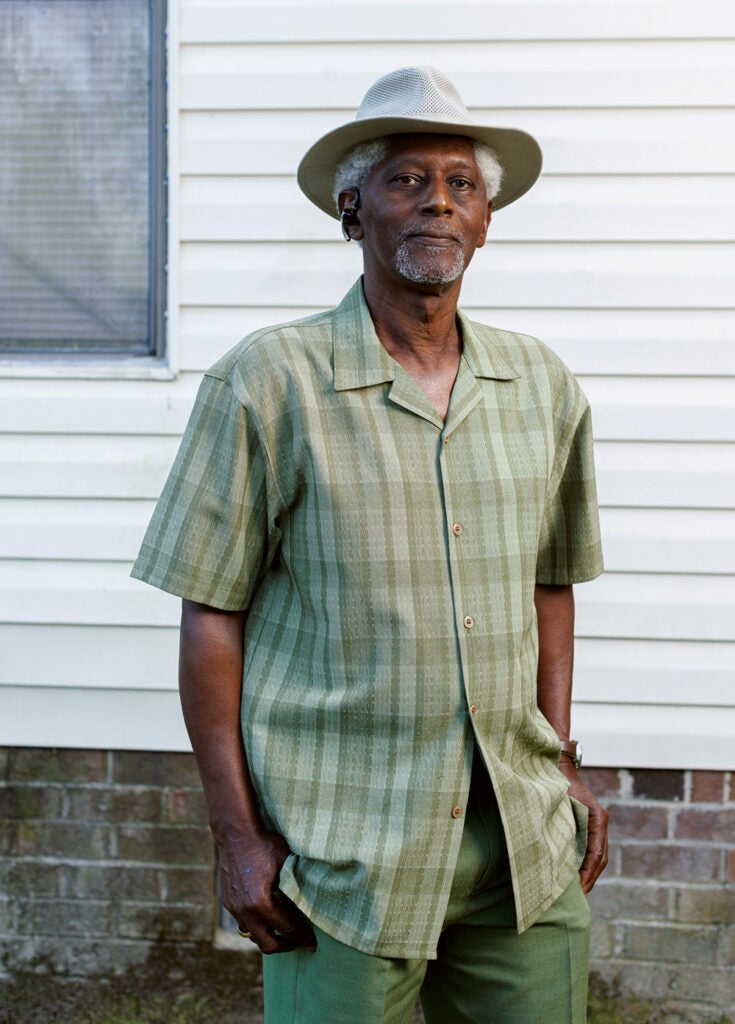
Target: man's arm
555,615
210,684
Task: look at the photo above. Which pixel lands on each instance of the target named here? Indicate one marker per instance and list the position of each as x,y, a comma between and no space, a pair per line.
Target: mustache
429,230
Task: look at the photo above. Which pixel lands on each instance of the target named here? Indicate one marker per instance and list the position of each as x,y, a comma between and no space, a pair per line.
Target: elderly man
375,521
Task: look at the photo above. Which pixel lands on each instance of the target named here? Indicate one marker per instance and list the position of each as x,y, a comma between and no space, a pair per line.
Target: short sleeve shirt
387,562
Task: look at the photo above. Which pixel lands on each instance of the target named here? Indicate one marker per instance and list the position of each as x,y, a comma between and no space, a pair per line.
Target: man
375,521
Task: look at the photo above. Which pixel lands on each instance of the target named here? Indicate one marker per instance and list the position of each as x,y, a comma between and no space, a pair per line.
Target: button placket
457,554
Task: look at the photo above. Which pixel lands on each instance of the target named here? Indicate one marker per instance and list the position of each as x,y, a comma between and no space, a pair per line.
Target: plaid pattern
387,561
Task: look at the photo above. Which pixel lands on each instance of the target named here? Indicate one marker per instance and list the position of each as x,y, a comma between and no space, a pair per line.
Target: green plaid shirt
387,562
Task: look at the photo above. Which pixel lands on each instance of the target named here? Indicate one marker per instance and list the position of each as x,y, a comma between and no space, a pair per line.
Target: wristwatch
572,749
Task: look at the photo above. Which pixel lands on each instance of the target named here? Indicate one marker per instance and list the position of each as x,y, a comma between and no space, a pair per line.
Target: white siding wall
621,258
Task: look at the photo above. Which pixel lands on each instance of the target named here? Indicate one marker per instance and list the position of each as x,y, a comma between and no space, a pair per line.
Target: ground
176,985
201,985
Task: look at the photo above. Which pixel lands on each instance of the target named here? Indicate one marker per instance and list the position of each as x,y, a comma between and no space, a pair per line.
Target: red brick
705,906
112,882
602,938
680,944
185,807
615,900
603,782
7,918
43,765
670,862
165,845
708,787
190,885
142,768
114,804
729,949
64,917
650,784
731,865
30,879
639,822
711,984
706,826
170,924
64,840
28,802
8,838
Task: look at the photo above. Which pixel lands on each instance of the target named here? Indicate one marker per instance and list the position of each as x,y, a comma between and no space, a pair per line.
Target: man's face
424,211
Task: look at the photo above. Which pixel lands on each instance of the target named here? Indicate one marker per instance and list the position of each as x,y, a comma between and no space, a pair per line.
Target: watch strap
573,750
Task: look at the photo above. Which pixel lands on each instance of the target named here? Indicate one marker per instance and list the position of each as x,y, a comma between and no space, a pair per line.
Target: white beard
431,267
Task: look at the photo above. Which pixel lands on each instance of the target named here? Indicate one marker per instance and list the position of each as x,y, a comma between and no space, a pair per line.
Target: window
81,177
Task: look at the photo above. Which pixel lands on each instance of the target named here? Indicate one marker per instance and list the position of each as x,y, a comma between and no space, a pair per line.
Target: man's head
418,100
420,208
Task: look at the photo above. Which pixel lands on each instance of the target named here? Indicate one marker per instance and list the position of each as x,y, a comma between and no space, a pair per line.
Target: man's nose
436,199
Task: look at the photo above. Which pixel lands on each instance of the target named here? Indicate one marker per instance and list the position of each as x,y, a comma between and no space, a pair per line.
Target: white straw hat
417,99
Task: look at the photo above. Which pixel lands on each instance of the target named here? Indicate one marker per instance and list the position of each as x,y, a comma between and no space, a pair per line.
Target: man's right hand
250,867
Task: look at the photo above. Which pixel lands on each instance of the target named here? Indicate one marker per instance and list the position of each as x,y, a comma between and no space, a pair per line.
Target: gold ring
244,935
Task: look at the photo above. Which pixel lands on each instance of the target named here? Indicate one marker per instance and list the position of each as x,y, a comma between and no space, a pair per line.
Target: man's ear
348,203
483,235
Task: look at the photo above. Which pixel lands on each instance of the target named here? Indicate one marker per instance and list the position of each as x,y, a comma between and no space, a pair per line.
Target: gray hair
355,166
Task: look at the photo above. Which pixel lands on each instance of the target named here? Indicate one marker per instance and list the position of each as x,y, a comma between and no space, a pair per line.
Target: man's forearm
210,685
555,617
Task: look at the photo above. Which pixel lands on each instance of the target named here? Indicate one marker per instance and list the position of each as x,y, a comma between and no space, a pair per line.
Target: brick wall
102,854
106,853
664,911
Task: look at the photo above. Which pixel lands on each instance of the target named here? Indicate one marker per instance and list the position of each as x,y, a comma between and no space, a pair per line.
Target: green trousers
485,973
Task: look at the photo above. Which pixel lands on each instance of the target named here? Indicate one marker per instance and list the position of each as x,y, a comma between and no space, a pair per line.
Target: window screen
81,171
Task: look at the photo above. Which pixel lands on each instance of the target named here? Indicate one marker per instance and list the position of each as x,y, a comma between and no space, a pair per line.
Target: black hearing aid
350,216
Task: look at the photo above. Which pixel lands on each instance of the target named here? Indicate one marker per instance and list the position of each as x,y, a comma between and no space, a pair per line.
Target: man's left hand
595,858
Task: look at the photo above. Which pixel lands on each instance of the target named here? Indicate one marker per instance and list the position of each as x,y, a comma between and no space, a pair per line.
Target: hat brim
518,154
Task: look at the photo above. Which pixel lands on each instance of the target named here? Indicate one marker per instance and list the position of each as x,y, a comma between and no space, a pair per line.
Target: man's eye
461,183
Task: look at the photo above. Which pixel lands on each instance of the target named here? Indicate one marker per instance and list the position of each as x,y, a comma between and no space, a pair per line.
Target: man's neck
418,328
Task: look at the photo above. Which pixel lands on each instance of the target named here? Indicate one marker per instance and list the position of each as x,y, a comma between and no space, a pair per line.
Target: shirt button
446,439
457,812
457,529
473,709
468,622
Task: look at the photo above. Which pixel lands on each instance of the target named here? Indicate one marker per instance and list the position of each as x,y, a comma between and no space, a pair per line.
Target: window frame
160,361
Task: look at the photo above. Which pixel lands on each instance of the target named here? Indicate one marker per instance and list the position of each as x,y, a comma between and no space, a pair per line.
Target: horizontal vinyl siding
598,73
543,20
620,258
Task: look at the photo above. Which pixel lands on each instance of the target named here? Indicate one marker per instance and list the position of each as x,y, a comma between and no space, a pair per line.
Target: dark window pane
75,175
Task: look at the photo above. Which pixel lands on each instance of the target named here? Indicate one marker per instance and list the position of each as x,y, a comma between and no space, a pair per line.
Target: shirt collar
483,357
361,361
